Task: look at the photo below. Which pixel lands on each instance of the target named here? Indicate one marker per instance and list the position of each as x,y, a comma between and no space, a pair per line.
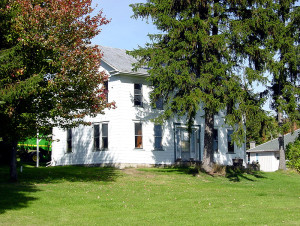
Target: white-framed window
138,135
158,137
138,95
100,135
215,140
106,90
104,136
69,140
230,144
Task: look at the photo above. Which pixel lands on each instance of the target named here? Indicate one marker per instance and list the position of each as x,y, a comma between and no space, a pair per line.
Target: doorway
187,145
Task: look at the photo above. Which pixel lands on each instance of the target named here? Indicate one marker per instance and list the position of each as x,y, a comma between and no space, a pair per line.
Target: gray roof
273,145
119,60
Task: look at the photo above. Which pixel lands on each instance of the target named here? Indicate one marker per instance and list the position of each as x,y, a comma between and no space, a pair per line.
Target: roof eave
135,74
254,151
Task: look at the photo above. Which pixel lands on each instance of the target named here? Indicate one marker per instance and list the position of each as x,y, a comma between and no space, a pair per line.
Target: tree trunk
13,161
208,155
282,164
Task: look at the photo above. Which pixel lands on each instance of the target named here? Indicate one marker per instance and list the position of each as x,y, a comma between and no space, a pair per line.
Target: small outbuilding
267,154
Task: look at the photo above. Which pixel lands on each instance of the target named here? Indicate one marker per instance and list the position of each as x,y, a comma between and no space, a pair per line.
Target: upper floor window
69,140
157,137
230,144
138,135
138,95
159,104
106,90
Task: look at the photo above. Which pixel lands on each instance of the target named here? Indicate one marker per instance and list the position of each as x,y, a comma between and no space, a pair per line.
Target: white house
267,154
125,136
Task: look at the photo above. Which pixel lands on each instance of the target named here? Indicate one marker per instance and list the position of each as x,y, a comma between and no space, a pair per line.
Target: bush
293,154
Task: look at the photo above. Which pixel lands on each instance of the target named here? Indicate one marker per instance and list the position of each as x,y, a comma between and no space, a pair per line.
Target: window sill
99,150
230,153
158,149
139,149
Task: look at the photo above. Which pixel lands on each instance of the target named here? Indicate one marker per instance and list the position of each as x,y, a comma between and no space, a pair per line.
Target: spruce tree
209,53
284,68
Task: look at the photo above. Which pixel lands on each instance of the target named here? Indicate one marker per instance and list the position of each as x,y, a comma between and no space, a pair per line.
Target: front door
187,145
184,145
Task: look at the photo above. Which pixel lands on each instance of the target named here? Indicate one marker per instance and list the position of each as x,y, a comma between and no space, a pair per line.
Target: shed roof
273,145
120,61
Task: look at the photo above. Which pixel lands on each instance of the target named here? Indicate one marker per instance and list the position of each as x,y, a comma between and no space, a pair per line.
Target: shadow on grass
15,196
234,174
237,174
190,170
67,173
18,195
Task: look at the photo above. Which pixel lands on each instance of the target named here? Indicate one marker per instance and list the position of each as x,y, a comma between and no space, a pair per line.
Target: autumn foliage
49,71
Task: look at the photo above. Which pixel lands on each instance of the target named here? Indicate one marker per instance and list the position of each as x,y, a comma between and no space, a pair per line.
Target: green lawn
107,196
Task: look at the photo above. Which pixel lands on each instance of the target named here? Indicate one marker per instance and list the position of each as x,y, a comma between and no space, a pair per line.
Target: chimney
252,144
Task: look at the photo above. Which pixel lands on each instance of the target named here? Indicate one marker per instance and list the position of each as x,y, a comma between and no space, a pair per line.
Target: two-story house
125,136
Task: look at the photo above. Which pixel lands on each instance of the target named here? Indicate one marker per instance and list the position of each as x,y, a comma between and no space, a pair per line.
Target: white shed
267,154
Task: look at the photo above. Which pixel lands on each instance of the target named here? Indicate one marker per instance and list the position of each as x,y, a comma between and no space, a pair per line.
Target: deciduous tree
49,72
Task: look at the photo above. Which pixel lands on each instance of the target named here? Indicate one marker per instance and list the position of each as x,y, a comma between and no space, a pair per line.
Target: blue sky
122,32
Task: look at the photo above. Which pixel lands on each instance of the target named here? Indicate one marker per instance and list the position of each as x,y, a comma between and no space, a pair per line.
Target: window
157,137
138,95
100,139
104,143
184,140
69,140
159,104
138,138
230,144
96,137
106,90
215,140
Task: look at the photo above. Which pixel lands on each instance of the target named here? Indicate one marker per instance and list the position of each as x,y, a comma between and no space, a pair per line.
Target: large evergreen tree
49,72
209,54
285,68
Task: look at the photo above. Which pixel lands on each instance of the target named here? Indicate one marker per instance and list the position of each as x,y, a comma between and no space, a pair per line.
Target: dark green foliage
285,66
293,155
210,53
260,127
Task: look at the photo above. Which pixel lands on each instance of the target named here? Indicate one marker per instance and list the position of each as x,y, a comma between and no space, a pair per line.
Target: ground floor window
138,135
215,140
230,144
100,136
69,140
157,137
104,130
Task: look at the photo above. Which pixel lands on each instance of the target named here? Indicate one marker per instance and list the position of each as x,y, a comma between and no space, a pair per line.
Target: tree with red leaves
49,72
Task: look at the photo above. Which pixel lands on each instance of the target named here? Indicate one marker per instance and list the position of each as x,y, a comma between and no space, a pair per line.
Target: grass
172,196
